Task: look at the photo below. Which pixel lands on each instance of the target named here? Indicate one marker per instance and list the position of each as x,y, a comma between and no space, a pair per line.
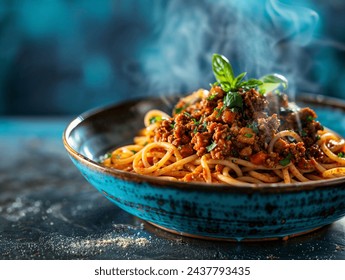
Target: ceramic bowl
261,212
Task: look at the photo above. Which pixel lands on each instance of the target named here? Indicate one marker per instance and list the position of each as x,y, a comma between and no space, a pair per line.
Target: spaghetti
256,139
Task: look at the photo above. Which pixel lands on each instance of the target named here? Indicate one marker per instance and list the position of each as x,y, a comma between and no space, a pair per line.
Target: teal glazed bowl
226,212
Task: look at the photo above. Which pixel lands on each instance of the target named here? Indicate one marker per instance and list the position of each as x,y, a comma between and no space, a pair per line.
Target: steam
258,37
298,22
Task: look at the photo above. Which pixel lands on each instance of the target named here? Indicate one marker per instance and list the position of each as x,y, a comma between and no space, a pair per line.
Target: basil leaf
275,78
233,100
252,83
272,82
237,81
222,71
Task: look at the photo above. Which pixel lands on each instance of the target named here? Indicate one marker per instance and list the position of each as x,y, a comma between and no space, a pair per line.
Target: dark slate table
49,211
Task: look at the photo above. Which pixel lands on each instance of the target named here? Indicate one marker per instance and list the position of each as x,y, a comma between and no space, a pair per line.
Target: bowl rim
158,182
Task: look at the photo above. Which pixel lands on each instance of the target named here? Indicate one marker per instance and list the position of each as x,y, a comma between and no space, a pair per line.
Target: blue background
64,57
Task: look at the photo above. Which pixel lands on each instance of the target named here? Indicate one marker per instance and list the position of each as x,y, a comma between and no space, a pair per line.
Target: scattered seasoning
187,114
155,119
195,121
211,147
341,155
220,111
303,133
211,97
180,109
248,135
310,118
318,137
134,152
286,160
204,126
254,127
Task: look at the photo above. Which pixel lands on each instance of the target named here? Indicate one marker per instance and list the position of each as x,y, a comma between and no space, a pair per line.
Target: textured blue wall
65,57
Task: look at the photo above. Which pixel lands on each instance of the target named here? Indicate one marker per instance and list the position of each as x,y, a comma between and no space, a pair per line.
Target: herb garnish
310,118
180,109
254,127
187,114
204,126
155,119
219,110
341,155
233,100
286,160
225,77
248,135
211,146
271,82
212,96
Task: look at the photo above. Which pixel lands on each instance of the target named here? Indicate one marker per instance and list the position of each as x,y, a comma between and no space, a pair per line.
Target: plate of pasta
237,161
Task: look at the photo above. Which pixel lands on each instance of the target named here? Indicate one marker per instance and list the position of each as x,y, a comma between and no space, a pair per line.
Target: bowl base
283,238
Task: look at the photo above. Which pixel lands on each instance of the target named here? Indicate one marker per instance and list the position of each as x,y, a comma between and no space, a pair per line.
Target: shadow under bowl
229,212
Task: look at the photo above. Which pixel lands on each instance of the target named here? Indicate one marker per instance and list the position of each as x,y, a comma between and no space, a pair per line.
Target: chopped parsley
195,121
187,114
341,155
220,111
204,126
254,127
180,109
248,135
212,96
286,161
108,155
303,133
155,119
211,147
310,118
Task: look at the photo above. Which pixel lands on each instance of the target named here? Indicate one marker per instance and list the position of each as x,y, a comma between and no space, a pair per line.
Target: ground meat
253,102
277,103
186,150
201,141
204,125
268,127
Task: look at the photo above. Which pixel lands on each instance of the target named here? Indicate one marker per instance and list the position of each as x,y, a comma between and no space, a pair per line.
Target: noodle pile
163,160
